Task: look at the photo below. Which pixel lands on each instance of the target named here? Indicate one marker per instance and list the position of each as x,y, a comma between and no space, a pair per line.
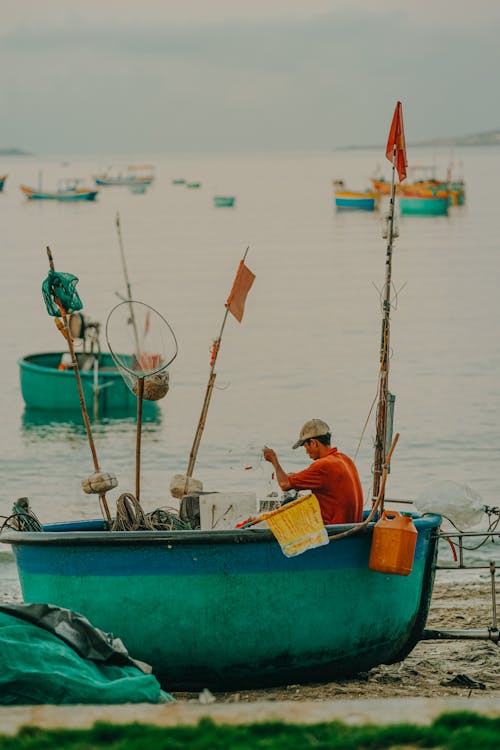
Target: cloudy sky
167,76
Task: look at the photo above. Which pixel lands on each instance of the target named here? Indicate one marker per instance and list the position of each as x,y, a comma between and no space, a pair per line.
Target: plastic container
393,544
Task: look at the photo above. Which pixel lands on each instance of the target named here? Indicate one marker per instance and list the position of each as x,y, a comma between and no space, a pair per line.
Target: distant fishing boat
2,181
130,175
48,383
356,200
427,185
67,190
48,380
423,205
193,185
179,181
224,200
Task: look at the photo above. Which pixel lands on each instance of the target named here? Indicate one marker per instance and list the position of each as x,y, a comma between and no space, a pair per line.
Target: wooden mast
383,393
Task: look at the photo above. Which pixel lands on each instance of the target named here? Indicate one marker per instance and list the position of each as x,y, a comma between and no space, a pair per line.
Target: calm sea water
308,345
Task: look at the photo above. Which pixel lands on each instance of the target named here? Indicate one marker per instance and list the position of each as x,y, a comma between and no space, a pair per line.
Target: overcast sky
118,76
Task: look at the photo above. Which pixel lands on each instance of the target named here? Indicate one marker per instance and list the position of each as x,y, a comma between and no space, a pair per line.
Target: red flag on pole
241,286
397,141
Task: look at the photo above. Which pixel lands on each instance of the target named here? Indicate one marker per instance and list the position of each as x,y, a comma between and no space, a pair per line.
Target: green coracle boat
221,201
45,386
226,609
417,205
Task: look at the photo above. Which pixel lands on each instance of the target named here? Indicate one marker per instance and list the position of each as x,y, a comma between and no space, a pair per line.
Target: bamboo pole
381,424
208,395
140,394
129,288
83,407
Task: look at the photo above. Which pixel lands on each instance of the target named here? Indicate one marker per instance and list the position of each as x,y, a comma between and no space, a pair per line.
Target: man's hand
270,455
281,475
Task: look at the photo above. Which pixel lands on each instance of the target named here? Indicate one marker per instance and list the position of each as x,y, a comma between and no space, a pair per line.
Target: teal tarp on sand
38,667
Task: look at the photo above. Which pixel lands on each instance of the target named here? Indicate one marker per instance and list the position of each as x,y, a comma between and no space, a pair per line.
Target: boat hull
423,206
222,201
226,609
356,201
121,181
63,195
44,386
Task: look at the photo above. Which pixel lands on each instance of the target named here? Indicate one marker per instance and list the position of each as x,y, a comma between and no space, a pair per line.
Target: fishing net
142,345
62,287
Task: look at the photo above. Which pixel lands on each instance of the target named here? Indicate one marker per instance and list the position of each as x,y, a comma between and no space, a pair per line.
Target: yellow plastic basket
298,525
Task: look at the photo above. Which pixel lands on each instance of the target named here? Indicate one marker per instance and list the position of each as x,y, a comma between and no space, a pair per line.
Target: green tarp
38,667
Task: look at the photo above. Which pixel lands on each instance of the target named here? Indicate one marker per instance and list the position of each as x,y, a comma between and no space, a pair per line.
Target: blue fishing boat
221,201
67,192
354,200
357,201
420,205
127,176
2,181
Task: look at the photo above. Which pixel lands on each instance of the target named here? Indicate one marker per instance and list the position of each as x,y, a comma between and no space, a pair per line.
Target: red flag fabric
241,286
397,139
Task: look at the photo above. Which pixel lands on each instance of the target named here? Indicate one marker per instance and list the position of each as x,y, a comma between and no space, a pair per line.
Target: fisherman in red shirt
332,476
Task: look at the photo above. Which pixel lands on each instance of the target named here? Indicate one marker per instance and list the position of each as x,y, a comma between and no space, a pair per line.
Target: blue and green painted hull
221,201
226,609
44,386
423,206
356,201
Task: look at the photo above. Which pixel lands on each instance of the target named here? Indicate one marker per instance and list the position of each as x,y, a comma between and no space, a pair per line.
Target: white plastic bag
457,502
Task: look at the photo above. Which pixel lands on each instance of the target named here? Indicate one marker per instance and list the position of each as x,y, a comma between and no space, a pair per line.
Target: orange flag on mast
397,140
241,286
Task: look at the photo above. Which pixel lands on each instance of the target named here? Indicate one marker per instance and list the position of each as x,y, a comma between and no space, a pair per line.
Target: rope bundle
131,517
22,518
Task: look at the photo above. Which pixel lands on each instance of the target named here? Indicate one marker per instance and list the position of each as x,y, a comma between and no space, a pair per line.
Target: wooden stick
83,406
140,394
381,429
206,402
129,289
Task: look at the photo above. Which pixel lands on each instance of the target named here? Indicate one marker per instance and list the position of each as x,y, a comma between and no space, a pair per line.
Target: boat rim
179,537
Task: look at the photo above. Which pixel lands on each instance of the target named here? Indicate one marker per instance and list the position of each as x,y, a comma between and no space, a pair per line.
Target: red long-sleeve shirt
335,481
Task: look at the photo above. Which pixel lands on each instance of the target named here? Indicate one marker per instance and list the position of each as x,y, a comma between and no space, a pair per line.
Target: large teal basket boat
48,384
226,609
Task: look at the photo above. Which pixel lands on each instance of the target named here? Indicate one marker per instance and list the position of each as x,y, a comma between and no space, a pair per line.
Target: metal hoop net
143,345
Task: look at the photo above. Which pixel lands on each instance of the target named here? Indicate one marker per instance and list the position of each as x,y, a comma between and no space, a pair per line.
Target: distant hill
14,152
489,138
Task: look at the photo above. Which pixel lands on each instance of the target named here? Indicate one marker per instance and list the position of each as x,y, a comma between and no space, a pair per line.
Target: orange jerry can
393,544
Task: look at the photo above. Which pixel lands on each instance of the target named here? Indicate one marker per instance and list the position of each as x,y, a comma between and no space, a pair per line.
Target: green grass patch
457,731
